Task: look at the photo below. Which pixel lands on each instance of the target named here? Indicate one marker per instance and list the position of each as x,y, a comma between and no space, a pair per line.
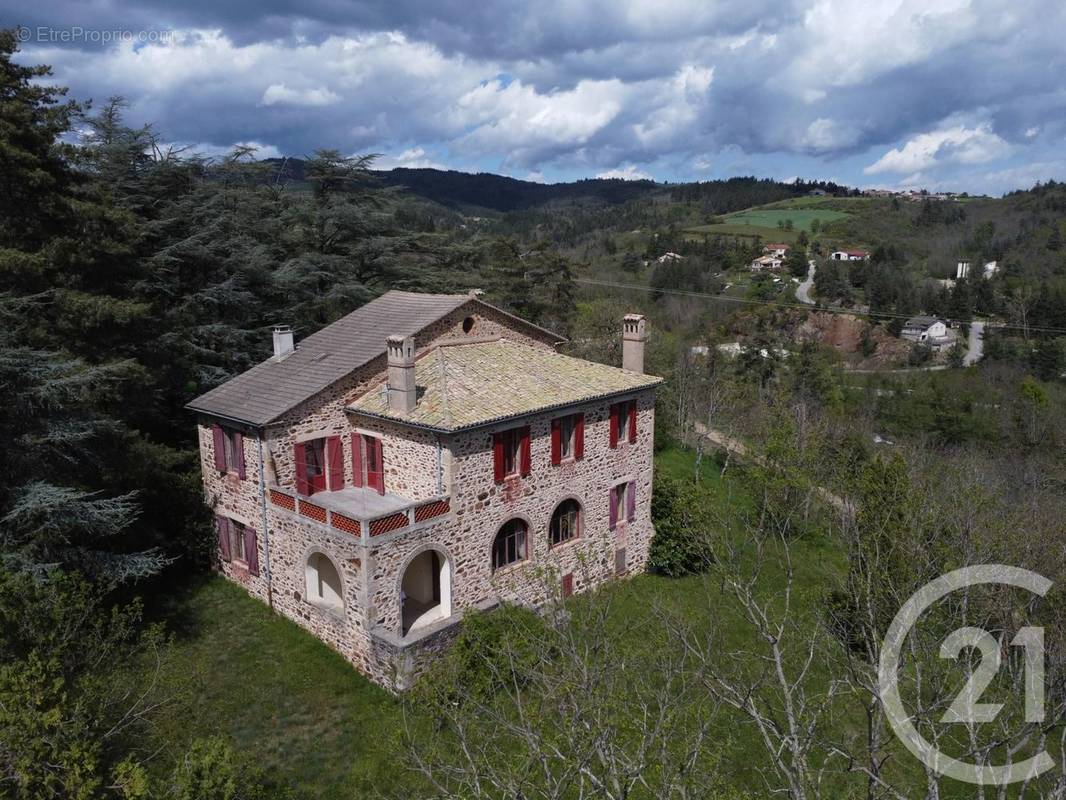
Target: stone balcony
360,512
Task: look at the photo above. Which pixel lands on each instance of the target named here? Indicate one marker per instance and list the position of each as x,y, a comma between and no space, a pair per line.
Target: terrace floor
360,503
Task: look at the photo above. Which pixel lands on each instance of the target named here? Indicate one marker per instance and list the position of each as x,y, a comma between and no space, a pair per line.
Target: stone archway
425,591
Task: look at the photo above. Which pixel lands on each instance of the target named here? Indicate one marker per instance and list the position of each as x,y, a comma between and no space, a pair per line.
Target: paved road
803,291
976,344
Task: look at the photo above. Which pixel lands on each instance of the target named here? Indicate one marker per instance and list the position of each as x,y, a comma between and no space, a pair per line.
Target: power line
780,304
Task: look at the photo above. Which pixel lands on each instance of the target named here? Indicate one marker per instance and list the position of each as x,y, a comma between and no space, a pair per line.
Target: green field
309,719
770,217
725,229
763,221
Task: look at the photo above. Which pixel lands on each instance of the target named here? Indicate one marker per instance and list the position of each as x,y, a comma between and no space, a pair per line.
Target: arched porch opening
425,591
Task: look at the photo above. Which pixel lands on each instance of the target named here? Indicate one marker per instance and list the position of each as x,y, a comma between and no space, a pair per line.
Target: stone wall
480,507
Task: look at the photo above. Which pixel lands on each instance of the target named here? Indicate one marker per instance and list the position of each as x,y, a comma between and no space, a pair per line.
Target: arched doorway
425,591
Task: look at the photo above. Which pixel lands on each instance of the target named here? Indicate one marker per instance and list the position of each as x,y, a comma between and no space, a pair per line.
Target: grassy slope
310,718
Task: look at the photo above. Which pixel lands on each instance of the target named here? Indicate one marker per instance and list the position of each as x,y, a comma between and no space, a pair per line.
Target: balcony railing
339,512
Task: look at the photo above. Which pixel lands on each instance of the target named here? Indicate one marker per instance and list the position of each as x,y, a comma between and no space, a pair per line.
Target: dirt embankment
862,345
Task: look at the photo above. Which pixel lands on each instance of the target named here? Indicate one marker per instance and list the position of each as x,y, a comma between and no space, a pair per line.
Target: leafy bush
503,645
682,544
214,769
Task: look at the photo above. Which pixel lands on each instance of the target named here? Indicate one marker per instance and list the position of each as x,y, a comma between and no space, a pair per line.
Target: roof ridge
446,409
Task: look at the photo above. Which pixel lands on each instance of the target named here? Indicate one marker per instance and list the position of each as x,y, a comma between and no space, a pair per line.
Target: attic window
468,324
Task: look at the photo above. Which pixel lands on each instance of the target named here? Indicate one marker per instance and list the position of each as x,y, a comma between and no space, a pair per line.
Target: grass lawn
309,718
768,234
769,217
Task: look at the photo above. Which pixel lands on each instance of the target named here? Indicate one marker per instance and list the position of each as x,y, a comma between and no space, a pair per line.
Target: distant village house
766,263
849,255
927,330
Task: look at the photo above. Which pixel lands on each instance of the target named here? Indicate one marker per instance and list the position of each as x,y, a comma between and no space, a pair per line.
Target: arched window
566,522
509,546
322,583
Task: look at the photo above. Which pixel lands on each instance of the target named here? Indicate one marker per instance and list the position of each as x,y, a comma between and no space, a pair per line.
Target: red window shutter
300,457
579,436
335,463
357,460
497,457
556,442
612,510
219,440
376,480
251,551
568,584
632,420
614,425
631,501
238,447
525,456
222,527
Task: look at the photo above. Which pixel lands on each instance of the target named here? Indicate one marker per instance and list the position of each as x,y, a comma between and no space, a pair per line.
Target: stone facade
450,479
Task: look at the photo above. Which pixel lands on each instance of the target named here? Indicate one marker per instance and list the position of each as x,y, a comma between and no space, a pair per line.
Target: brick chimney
283,343
401,378
633,338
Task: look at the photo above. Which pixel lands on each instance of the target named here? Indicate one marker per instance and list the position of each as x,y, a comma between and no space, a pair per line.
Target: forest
796,503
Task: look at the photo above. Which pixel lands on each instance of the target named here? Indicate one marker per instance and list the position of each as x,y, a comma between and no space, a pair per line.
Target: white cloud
535,177
280,93
956,144
517,114
825,135
626,173
1032,133
413,158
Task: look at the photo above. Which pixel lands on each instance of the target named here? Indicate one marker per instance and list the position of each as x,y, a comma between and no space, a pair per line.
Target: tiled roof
268,390
466,385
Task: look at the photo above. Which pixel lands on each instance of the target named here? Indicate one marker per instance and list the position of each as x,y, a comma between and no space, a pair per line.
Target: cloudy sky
955,94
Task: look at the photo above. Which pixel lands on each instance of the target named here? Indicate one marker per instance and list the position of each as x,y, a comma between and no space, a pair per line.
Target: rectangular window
229,450
237,541
623,422
567,426
315,453
622,504
511,453
511,444
374,458
310,462
230,446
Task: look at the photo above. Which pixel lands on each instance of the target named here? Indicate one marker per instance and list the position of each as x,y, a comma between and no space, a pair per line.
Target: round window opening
468,324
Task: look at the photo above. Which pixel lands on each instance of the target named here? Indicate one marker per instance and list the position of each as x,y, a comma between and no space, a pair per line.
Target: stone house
420,457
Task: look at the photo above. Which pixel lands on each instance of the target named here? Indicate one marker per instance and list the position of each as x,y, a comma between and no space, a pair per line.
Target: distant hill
500,193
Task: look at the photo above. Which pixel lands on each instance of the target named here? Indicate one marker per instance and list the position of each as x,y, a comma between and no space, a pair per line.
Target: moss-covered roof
466,385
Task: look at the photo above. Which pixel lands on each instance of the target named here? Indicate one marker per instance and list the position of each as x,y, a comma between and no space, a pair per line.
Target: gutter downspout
266,527
440,467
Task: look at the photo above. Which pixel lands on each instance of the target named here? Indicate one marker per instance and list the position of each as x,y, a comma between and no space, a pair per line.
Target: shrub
214,769
682,544
502,645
